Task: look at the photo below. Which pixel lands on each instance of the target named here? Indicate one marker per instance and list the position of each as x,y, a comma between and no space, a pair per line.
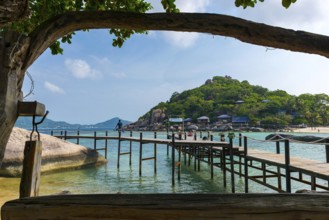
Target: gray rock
57,154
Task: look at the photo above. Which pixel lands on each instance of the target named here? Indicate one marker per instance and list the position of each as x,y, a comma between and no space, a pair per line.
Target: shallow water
126,179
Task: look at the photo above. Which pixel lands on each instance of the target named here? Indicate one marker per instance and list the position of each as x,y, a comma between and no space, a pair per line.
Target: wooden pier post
279,178
232,165
199,148
240,163
179,161
246,174
78,138
95,141
168,137
212,162
278,168
30,179
119,150
223,164
313,183
277,146
287,166
105,153
190,151
65,135
155,153
195,157
173,160
327,151
140,153
130,148
211,153
185,154
240,139
264,172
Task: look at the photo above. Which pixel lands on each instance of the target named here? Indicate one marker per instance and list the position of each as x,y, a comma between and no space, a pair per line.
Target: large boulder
57,154
157,116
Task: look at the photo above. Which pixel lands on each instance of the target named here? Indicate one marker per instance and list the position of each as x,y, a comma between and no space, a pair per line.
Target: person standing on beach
118,127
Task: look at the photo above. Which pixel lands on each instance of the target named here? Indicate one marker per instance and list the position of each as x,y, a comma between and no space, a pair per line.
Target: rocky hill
242,103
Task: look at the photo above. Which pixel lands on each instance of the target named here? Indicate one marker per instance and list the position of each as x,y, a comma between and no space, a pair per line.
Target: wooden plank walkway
148,140
208,150
307,166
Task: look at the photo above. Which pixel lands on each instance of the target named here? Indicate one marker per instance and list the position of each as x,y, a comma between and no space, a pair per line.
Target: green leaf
169,6
287,3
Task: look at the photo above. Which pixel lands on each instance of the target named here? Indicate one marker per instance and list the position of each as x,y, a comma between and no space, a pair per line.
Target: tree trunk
10,69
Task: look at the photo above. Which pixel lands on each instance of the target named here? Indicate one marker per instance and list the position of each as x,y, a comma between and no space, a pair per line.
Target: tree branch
215,24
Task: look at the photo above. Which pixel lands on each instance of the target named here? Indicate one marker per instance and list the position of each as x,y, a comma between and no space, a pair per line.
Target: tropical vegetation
224,95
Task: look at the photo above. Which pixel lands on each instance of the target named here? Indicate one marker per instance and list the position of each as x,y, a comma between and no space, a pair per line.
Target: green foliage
42,11
268,108
246,3
252,3
287,3
169,6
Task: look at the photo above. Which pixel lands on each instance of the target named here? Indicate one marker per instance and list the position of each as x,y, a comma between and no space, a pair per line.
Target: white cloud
53,88
80,69
192,6
181,39
102,61
183,5
105,65
310,16
184,39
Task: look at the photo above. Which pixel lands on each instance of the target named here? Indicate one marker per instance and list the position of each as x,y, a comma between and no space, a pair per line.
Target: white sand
312,130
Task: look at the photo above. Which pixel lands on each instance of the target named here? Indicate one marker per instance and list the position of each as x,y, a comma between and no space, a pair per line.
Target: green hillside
224,95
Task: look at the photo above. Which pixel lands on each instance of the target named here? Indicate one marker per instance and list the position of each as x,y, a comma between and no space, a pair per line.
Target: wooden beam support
169,206
31,109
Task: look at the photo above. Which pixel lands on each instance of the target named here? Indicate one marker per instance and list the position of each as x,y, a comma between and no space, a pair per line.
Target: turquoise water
126,179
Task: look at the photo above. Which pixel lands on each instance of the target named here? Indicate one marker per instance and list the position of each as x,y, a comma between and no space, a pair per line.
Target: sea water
126,179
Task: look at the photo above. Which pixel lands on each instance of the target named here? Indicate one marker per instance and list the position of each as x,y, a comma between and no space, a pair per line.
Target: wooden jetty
225,157
230,159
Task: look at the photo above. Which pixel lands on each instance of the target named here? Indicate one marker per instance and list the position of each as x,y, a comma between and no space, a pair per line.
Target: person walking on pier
118,127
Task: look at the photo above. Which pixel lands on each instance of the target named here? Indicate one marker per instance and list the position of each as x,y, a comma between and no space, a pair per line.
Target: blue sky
93,81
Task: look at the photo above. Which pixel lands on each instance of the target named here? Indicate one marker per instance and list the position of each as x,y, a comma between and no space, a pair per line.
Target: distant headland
26,123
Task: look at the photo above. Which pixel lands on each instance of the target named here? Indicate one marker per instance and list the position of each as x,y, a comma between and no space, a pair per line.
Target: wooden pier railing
235,160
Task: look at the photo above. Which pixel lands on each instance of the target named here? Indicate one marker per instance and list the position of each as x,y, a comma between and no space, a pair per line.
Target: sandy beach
312,130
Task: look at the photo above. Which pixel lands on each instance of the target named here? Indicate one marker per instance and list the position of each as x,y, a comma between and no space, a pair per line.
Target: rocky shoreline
57,155
157,120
